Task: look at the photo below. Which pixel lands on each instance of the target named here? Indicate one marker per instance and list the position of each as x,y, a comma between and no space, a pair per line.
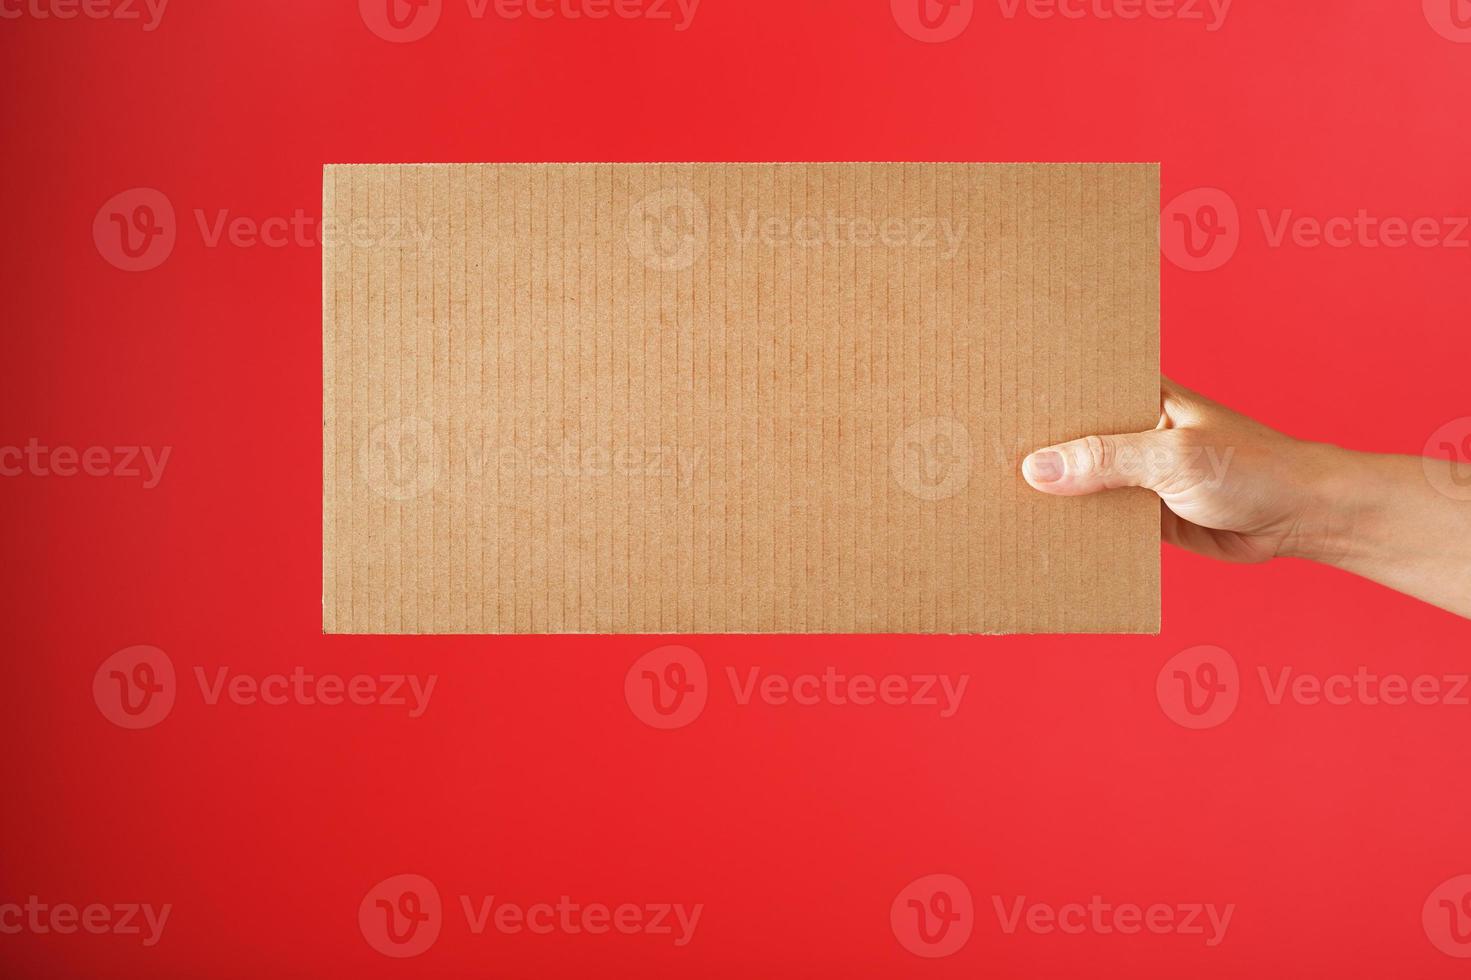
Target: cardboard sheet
733,398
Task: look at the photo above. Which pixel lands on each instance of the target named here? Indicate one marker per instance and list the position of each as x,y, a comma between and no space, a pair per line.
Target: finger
1210,542
1142,459
1177,531
1174,389
1178,405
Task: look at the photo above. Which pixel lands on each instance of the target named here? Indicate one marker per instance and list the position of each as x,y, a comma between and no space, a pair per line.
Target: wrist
1345,495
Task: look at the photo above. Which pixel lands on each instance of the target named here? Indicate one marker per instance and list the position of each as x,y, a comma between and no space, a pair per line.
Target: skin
1235,490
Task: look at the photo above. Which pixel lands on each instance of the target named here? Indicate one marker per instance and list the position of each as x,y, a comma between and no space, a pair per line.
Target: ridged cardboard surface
733,398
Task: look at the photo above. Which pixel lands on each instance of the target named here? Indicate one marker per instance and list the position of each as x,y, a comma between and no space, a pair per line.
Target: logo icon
933,21
401,916
1450,18
1451,442
400,460
1447,917
668,229
135,230
1200,230
135,688
933,916
931,459
400,21
1199,688
667,687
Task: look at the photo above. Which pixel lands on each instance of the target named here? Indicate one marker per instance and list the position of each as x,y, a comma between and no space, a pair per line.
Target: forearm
1383,518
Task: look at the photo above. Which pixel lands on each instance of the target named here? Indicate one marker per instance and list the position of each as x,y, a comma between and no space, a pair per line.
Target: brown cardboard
733,398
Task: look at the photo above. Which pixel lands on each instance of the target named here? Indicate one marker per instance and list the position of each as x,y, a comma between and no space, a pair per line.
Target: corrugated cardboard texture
733,398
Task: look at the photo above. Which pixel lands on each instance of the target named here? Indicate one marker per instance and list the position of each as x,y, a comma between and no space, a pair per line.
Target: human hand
1233,489
1230,488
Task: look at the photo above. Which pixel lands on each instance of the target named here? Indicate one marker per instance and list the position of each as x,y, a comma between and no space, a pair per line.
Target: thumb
1142,459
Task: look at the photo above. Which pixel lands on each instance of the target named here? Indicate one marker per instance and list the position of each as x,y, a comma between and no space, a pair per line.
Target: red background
529,777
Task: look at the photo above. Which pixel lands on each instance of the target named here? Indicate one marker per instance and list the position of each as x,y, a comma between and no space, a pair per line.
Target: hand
1230,488
1233,489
